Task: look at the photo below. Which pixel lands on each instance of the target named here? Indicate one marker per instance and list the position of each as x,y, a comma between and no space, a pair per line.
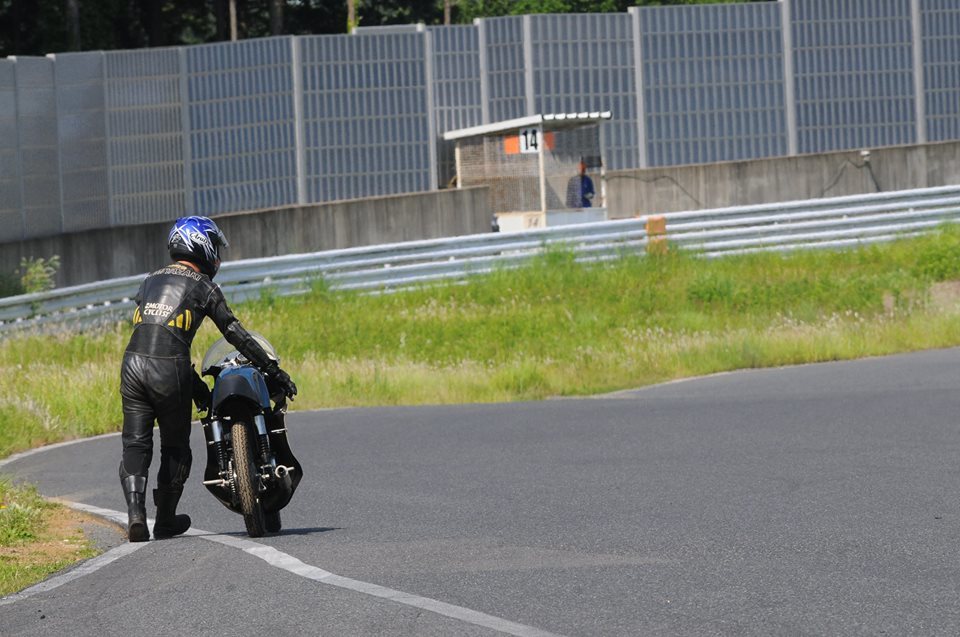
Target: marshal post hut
542,170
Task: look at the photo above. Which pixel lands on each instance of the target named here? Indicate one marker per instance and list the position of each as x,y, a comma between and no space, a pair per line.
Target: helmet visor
219,239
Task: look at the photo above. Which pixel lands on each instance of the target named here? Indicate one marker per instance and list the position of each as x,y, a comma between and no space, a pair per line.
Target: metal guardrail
815,224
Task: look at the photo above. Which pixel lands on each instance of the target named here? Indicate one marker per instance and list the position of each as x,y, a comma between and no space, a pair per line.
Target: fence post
299,145
529,96
484,79
920,98
18,157
431,107
56,118
789,96
638,76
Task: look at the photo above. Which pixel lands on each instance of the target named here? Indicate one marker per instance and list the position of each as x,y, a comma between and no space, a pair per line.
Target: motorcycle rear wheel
248,480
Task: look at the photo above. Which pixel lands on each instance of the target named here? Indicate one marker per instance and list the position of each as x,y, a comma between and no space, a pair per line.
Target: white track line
269,555
90,566
288,563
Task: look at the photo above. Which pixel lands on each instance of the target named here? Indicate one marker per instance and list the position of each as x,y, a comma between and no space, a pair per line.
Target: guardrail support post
657,235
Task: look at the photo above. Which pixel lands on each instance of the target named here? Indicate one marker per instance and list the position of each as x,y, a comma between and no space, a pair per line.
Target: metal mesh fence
456,88
565,151
242,127
853,73
941,68
145,136
502,46
81,111
366,115
39,156
513,178
713,83
585,63
11,215
131,137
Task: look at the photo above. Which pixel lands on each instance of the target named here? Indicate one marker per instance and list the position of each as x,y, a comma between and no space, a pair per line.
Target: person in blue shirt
580,191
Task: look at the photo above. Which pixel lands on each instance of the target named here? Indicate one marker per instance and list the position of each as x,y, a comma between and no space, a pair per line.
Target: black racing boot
135,491
168,522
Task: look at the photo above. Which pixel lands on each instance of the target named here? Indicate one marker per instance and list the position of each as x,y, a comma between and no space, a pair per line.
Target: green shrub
37,274
938,255
21,513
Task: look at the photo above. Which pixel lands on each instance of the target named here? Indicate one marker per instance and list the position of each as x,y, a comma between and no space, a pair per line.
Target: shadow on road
307,531
303,531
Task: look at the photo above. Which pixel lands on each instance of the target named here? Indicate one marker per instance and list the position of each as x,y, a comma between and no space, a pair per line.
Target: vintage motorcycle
250,467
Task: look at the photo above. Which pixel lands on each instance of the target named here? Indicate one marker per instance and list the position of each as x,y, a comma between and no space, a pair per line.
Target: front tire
248,480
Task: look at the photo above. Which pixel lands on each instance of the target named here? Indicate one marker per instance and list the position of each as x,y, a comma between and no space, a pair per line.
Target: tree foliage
37,27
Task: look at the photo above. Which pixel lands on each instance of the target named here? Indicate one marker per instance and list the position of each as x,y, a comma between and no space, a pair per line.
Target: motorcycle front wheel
248,479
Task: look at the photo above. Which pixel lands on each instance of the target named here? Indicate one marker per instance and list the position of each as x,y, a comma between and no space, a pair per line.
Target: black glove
201,393
284,382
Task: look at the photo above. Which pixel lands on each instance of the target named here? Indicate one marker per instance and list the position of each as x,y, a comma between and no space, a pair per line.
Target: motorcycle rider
157,381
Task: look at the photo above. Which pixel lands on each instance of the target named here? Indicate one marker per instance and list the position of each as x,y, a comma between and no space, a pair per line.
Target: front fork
269,469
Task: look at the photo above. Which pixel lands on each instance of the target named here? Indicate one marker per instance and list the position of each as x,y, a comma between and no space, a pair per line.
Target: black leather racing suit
157,381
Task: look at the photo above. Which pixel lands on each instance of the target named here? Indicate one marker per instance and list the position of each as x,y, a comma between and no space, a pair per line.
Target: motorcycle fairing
276,499
244,382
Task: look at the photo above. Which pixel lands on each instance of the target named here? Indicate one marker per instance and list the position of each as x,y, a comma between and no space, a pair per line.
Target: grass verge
37,538
555,328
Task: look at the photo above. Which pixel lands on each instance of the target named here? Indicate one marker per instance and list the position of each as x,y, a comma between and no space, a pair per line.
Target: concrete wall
103,254
113,252
633,192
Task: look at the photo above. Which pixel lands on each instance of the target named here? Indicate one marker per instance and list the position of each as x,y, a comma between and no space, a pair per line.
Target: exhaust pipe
281,471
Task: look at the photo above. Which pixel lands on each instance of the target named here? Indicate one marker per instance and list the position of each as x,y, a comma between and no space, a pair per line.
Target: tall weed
21,513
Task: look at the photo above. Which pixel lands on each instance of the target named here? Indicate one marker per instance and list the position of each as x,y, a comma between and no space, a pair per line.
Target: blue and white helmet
198,240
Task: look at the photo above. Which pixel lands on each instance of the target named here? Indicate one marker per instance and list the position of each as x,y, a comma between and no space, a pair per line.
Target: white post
541,144
484,80
456,159
603,166
301,161
638,76
920,98
431,107
789,97
56,124
529,97
19,148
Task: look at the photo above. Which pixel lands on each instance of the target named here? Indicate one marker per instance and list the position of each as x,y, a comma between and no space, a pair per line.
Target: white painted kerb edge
286,562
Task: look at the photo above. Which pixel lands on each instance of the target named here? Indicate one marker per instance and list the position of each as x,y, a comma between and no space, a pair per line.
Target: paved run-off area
817,499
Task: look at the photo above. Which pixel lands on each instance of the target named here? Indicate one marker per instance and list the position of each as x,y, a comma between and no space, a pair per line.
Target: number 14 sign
530,139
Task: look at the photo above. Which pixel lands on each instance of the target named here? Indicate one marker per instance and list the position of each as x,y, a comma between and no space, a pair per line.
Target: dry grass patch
46,538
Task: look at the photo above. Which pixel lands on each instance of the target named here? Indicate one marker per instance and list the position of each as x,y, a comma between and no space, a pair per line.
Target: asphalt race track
811,500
